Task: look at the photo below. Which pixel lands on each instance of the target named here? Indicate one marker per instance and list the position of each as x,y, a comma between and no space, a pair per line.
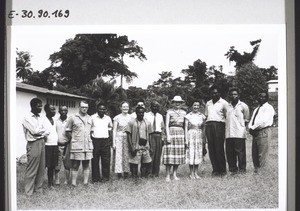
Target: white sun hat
177,99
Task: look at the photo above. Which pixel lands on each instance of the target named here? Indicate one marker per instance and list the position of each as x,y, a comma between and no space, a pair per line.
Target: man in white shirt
157,123
35,133
260,128
215,111
237,118
101,134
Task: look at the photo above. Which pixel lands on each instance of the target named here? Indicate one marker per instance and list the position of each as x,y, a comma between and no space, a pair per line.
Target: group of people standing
137,139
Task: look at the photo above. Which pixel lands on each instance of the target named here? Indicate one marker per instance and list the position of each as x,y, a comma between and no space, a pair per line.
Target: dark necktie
255,115
154,123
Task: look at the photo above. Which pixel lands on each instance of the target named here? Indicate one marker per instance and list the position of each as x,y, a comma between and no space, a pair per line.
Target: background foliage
89,65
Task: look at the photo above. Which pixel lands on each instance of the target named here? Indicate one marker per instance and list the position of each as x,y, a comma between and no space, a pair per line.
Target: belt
215,122
263,128
156,132
93,138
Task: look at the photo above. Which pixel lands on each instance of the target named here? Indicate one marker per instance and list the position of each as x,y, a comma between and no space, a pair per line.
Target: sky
167,47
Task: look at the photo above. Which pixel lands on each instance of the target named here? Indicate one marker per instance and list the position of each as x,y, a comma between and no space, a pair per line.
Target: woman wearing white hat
174,150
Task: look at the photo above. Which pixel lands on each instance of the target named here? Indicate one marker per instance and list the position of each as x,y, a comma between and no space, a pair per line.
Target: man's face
63,111
155,108
215,95
141,104
101,110
140,114
234,96
37,108
83,107
51,112
262,98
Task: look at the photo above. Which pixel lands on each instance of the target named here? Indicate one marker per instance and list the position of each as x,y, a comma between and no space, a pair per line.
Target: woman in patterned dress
174,150
120,144
194,122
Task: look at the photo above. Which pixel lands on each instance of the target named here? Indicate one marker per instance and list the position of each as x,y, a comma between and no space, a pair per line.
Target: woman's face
196,106
125,108
177,104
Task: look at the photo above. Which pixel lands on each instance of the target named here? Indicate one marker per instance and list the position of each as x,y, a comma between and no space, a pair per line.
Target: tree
269,73
250,80
240,59
132,50
196,73
105,92
90,55
23,65
46,78
169,86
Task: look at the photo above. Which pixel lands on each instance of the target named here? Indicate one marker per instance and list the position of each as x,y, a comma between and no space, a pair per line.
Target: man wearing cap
139,103
215,111
138,131
157,122
260,128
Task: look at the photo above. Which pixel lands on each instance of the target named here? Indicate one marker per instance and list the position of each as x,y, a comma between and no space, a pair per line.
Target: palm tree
23,64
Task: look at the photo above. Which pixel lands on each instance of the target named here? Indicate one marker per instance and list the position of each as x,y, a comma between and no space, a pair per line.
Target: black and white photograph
150,106
148,117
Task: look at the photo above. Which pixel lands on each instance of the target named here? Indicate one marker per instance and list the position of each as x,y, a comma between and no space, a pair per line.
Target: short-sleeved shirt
216,111
101,126
195,120
81,129
33,125
235,120
138,130
176,118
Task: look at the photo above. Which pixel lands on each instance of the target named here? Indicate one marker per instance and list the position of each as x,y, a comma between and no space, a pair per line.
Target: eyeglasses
84,107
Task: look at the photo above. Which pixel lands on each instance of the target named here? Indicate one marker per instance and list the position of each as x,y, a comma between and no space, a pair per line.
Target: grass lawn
249,190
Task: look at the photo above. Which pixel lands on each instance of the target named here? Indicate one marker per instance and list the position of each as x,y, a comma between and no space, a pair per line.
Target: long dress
174,153
122,152
194,138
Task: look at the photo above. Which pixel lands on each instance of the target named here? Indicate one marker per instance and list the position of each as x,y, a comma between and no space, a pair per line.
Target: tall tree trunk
121,81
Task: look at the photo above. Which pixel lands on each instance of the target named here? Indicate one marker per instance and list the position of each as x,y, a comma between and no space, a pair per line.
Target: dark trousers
145,169
236,152
101,150
156,148
215,133
260,147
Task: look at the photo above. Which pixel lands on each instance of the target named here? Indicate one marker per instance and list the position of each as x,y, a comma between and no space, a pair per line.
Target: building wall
23,108
273,87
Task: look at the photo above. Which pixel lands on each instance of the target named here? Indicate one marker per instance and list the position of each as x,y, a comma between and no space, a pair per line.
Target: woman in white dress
194,123
120,144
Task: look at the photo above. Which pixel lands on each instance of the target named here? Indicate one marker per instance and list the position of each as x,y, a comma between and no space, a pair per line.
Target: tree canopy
240,59
23,65
90,55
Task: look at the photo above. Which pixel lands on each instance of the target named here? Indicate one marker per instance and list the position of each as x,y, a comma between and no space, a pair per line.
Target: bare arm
186,122
115,126
167,127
